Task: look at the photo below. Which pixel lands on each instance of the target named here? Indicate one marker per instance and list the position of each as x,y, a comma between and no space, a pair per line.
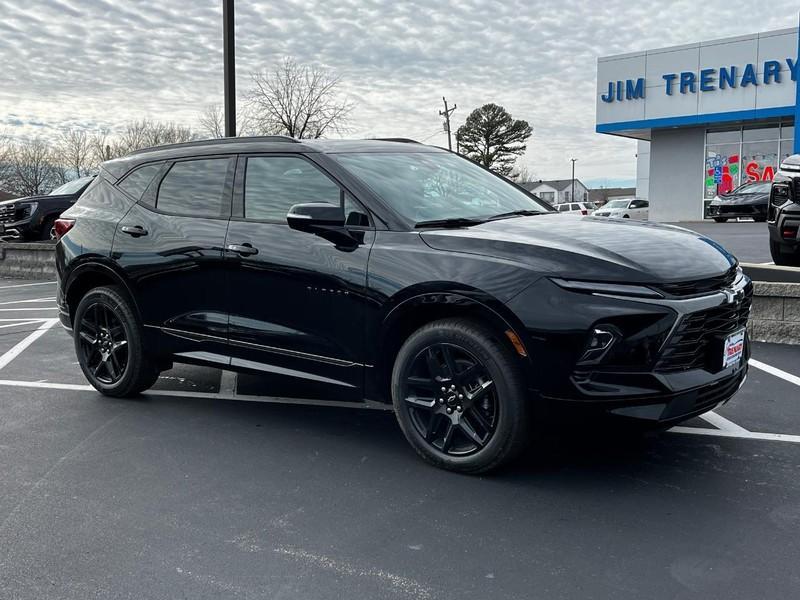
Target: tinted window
195,188
137,181
424,186
273,184
564,208
576,207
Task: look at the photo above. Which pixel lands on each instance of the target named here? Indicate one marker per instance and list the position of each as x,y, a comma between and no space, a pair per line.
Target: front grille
711,395
796,189
7,213
701,286
697,341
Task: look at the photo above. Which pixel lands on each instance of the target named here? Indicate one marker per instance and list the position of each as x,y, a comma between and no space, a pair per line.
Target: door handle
135,231
242,249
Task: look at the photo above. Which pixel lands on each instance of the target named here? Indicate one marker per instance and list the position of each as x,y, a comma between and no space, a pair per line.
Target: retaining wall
27,261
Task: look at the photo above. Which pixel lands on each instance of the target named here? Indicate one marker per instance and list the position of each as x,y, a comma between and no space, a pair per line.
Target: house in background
602,196
557,191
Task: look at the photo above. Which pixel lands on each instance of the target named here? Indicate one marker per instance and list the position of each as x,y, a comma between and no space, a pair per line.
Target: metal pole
573,179
446,114
230,68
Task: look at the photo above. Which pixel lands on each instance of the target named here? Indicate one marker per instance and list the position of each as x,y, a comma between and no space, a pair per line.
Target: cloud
102,62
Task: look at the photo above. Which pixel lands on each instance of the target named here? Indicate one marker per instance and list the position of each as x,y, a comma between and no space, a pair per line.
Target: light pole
229,75
573,179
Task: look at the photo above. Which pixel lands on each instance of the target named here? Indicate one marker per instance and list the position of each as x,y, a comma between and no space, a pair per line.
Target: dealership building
708,116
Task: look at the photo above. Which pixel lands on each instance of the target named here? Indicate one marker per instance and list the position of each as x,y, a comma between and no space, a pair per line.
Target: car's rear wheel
109,346
779,257
459,397
720,219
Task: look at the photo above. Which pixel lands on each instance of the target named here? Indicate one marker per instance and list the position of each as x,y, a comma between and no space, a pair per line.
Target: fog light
600,341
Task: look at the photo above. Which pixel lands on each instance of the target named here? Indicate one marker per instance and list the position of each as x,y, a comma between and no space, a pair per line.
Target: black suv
34,217
390,271
783,216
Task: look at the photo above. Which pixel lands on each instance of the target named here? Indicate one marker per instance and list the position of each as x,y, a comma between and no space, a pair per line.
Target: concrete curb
27,260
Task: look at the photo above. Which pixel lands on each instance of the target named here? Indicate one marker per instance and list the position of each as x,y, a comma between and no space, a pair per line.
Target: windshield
617,204
434,186
753,188
71,187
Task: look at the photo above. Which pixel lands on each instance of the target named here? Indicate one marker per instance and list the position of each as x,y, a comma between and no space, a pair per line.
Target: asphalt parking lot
206,488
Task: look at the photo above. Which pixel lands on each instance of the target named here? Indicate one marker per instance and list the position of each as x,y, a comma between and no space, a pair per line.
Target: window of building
547,196
273,184
737,155
136,182
195,188
566,197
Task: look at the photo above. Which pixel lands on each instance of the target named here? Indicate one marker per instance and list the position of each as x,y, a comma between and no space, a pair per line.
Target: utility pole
229,75
573,179
446,114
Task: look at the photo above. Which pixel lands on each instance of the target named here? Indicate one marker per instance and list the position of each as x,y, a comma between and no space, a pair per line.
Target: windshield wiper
453,222
517,213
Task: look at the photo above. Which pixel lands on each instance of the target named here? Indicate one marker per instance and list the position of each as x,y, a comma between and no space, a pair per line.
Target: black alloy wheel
461,397
109,344
451,398
103,343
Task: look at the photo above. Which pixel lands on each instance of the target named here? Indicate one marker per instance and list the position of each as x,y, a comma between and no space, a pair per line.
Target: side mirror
315,217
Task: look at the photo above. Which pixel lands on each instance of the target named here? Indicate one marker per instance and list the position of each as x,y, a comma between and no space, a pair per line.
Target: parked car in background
748,200
624,209
33,217
576,208
783,214
383,271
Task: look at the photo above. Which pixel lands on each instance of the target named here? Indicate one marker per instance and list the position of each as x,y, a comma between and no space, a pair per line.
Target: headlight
614,289
780,195
27,208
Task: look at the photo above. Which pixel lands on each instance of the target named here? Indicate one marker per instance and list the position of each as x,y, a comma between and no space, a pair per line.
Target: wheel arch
91,274
418,310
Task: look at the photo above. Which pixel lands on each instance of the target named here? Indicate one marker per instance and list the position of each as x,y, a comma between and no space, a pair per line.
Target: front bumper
674,370
16,230
733,211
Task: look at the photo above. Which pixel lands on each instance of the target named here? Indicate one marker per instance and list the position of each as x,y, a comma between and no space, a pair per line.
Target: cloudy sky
98,63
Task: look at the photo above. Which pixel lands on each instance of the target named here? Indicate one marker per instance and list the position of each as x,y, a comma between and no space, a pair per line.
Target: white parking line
27,341
22,285
775,371
722,423
35,300
45,308
21,323
747,435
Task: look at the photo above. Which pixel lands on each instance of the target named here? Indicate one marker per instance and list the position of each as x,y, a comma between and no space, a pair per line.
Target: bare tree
74,153
212,122
521,173
32,164
6,163
299,100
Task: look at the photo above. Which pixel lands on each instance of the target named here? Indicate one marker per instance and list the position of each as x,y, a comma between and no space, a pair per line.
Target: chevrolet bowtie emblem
731,295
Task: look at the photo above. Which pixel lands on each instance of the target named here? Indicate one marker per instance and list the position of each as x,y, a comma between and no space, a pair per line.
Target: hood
740,199
591,248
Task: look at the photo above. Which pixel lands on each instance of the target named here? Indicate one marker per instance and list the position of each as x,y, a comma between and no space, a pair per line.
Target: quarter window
273,184
136,182
195,188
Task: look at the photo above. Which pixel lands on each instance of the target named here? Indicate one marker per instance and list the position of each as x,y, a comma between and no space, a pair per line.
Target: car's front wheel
109,345
720,220
459,397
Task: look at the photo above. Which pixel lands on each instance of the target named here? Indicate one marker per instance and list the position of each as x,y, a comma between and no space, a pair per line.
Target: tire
47,233
781,258
626,216
106,330
492,407
720,220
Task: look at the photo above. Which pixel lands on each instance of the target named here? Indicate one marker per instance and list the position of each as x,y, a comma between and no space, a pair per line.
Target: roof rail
213,142
398,139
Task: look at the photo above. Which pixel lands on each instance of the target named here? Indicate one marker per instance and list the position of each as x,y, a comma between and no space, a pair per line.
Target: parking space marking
227,382
44,308
747,435
775,371
18,323
27,341
34,300
22,285
722,423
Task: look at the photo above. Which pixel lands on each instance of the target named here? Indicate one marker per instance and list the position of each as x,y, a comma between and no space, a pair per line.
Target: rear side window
136,182
273,184
195,188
